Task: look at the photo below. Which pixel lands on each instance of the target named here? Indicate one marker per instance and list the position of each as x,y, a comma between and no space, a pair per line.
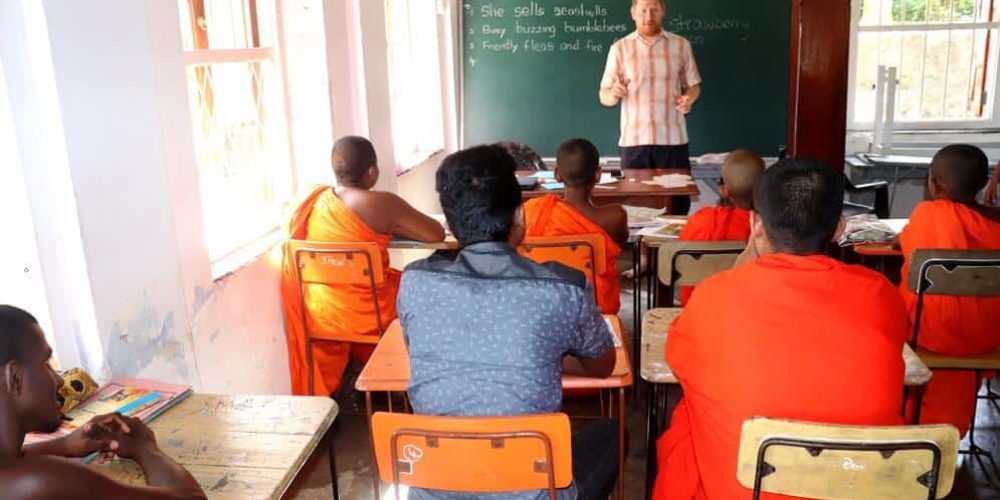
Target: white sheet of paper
614,334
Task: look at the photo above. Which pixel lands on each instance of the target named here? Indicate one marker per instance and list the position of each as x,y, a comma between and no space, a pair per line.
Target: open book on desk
142,399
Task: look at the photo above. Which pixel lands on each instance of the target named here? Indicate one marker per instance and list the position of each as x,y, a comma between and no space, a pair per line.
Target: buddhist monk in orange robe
789,333
954,326
578,167
730,221
349,213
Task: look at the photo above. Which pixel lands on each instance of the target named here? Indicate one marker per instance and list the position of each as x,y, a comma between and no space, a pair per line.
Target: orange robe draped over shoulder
777,337
955,326
715,224
324,217
551,216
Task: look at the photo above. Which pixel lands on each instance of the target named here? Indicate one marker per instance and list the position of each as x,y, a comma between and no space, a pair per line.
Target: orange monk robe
551,216
715,224
324,217
954,326
803,338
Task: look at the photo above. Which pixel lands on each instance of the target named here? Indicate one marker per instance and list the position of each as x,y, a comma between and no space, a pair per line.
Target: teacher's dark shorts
660,157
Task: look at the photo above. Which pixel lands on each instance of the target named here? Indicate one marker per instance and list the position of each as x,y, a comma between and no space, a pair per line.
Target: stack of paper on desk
671,181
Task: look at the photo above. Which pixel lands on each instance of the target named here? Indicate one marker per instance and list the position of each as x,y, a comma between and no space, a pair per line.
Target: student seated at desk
954,326
29,402
578,167
490,332
788,333
350,213
730,220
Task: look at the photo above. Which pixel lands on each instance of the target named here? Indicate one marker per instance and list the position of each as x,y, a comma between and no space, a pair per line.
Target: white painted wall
99,106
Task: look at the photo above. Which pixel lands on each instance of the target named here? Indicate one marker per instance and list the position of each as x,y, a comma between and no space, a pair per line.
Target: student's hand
132,440
95,435
991,189
684,104
620,87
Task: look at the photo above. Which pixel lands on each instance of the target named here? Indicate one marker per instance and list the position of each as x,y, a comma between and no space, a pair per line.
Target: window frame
981,124
268,234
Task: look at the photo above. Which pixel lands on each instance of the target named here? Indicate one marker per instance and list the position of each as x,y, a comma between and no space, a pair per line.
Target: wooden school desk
239,447
388,370
655,371
630,190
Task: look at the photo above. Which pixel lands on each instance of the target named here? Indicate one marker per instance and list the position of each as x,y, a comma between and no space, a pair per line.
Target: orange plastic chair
474,454
583,252
325,263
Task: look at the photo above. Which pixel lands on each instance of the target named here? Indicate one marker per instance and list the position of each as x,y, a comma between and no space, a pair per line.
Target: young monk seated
578,167
29,402
490,332
349,213
730,221
789,333
954,326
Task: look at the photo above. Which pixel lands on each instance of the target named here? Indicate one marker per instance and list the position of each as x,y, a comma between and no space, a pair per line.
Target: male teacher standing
654,76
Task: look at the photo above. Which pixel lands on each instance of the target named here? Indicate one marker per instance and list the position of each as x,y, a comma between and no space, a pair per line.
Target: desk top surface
632,184
237,446
654,367
388,369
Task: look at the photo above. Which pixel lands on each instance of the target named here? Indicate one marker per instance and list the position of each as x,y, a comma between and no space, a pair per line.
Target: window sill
246,254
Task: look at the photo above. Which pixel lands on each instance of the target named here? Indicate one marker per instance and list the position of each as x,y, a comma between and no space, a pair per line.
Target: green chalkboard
531,71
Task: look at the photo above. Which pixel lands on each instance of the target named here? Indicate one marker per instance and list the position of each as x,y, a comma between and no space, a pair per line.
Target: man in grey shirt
490,333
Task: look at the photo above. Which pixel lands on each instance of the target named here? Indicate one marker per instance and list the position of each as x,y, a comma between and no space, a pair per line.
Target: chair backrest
972,273
687,263
583,252
474,454
847,462
955,272
324,263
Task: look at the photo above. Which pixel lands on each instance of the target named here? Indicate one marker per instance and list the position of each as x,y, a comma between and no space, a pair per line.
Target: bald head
740,173
352,159
578,161
959,172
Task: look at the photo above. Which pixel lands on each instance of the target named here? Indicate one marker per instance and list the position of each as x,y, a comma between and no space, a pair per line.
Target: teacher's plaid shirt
658,72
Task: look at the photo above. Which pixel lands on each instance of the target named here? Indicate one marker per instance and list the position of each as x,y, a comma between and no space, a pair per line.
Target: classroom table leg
333,463
371,440
621,443
636,302
651,399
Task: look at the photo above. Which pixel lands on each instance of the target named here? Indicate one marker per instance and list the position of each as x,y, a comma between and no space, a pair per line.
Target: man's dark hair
801,201
961,169
352,157
578,161
479,194
525,158
16,333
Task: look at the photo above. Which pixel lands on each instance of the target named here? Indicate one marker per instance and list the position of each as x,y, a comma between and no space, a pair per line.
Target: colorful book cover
142,399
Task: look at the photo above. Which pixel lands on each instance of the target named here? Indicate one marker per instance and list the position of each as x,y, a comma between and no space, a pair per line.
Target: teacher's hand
620,88
684,104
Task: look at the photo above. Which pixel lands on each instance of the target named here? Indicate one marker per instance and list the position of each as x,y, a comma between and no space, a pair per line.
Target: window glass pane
911,76
241,151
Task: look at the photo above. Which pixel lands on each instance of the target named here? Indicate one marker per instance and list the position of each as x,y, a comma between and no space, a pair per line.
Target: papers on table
712,159
668,228
544,175
549,183
864,229
644,217
671,181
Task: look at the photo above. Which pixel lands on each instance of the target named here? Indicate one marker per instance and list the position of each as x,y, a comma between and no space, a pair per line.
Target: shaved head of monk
800,202
740,173
958,173
578,163
354,162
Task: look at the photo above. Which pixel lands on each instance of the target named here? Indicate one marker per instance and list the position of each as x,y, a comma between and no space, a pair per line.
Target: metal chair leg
331,449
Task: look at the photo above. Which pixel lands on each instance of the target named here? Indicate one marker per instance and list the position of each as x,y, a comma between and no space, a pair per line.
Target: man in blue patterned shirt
490,333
